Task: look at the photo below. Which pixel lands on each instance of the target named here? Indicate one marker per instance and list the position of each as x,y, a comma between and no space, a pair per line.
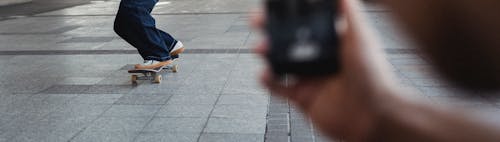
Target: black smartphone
303,38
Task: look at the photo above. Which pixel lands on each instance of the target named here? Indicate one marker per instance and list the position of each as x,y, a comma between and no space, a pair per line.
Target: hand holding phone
303,37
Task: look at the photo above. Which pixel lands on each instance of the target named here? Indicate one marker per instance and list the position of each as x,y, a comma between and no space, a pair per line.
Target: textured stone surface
63,78
235,125
163,137
228,137
183,125
12,2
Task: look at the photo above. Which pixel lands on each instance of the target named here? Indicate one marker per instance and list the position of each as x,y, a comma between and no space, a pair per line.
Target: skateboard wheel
157,79
134,79
175,68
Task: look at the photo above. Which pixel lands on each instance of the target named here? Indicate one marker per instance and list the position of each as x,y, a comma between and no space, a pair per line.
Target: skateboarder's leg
135,24
176,48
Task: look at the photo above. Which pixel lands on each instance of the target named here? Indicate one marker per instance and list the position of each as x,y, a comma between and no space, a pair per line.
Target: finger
257,20
346,10
266,79
301,93
261,48
275,86
308,92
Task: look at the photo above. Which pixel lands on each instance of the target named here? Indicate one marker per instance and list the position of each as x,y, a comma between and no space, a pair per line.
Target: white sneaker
178,49
152,64
149,62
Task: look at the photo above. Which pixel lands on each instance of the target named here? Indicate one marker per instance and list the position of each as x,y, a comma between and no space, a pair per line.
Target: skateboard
152,74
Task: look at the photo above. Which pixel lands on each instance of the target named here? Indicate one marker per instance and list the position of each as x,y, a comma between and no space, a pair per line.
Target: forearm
380,115
400,120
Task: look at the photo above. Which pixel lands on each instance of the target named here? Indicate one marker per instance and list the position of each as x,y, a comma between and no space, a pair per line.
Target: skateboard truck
154,75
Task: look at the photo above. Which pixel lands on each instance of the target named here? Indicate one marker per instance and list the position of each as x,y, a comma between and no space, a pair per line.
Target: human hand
342,105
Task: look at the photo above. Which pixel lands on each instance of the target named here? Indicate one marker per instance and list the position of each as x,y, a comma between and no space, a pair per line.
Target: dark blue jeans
135,25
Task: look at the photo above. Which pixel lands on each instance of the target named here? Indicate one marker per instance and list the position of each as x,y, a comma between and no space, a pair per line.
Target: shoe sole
177,52
158,65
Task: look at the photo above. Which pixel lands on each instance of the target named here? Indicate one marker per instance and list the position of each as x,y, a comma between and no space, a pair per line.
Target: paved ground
13,2
63,78
36,6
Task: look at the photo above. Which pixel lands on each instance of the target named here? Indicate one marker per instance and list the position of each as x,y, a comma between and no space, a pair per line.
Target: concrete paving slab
96,99
185,110
76,109
159,137
147,87
119,124
239,111
16,108
121,111
55,122
12,2
202,99
44,136
109,89
81,80
7,135
7,99
175,125
105,136
259,100
143,99
221,137
239,126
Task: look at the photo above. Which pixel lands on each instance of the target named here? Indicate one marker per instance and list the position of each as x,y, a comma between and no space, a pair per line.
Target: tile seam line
267,118
218,98
151,120
157,112
89,124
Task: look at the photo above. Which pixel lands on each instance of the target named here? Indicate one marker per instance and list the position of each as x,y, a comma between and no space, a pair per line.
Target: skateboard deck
151,74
